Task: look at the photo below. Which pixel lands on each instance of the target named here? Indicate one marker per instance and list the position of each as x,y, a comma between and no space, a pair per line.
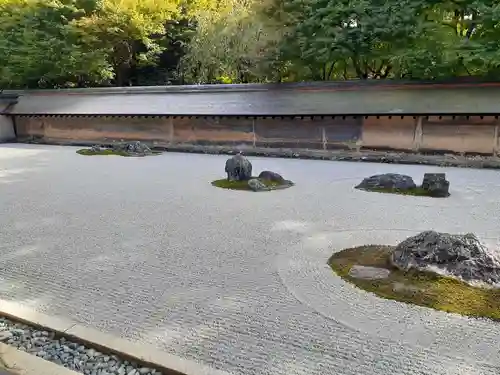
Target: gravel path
146,248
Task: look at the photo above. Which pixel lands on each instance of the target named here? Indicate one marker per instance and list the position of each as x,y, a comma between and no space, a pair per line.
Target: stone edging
143,353
307,276
364,155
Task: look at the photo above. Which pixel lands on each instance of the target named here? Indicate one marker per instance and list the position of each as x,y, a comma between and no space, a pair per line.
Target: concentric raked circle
307,276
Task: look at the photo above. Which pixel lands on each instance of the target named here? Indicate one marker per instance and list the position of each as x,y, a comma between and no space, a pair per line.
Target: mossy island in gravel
120,149
452,273
239,177
433,185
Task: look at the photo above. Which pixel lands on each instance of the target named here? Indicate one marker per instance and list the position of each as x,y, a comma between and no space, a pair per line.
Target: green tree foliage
39,47
231,43
65,43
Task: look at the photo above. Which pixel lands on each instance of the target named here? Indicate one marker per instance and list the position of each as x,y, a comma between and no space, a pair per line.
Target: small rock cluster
239,168
435,184
69,354
455,255
132,148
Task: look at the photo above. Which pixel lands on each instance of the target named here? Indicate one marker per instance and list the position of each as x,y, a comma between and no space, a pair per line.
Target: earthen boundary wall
436,134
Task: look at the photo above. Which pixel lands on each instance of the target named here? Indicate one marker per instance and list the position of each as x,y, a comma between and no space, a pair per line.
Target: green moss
414,287
89,152
224,183
418,191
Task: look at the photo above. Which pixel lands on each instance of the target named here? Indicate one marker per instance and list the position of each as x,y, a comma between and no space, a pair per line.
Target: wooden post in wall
253,133
323,137
417,137
495,140
170,130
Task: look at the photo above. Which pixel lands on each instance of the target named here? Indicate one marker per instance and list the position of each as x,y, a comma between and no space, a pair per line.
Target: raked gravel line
147,249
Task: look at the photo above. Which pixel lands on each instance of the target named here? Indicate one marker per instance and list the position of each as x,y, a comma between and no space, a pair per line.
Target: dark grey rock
271,176
238,168
137,148
459,256
257,185
436,185
132,148
387,181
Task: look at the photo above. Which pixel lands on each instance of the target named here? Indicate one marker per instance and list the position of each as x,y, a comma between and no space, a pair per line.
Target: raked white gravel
147,249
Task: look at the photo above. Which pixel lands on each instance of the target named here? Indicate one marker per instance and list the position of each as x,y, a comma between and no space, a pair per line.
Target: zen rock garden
121,149
239,177
450,272
433,185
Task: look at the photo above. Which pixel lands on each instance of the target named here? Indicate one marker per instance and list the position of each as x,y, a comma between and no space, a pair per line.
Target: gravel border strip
71,340
441,159
62,351
16,362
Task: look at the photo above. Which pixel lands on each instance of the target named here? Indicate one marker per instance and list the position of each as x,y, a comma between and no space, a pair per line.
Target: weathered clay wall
6,126
411,133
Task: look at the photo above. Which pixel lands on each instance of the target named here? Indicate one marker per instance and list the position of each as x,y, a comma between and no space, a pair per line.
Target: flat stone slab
368,273
400,287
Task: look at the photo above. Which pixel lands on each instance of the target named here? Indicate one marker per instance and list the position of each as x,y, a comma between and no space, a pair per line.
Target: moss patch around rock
419,288
108,151
224,183
418,191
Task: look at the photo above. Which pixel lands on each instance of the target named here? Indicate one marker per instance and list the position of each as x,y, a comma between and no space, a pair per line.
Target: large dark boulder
456,255
436,185
387,181
238,168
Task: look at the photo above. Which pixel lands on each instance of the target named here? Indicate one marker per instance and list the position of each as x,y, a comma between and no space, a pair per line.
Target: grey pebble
81,349
144,370
73,345
41,353
89,366
132,372
105,358
5,335
17,331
